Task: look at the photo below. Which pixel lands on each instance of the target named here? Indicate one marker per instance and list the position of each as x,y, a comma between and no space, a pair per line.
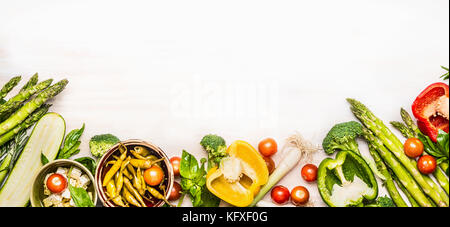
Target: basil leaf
44,160
441,160
188,166
88,162
80,197
209,200
429,146
193,181
443,142
71,143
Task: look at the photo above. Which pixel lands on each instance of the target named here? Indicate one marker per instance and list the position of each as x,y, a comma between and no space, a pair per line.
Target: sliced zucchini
45,138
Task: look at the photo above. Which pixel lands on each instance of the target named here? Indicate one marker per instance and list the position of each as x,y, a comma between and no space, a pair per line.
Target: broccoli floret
100,144
343,137
216,148
385,201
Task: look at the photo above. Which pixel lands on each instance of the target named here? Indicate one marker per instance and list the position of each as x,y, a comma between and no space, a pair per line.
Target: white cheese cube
76,173
66,194
62,171
55,199
71,203
73,182
84,181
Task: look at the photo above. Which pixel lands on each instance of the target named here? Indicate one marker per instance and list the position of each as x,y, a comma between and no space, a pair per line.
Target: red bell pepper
431,110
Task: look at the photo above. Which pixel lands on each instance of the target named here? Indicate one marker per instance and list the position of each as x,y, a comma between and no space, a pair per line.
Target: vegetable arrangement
414,172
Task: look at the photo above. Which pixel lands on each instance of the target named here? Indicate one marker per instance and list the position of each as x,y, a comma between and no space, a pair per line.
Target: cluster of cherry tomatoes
281,195
414,148
175,194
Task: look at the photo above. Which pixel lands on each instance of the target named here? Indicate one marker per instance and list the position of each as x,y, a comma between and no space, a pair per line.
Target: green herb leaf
71,144
429,146
44,160
188,166
88,162
193,181
443,142
446,75
80,197
209,199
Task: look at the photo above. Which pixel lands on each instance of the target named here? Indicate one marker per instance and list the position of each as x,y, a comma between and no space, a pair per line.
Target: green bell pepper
346,181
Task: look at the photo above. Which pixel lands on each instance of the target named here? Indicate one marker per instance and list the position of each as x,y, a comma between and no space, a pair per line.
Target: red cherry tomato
268,147
153,176
413,147
280,194
426,164
56,183
175,162
270,164
309,172
176,191
299,195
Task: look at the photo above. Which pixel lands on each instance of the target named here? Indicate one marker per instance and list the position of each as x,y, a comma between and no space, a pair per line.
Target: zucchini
46,138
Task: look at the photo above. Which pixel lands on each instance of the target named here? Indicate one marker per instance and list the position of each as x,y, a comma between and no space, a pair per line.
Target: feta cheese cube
71,203
66,194
84,181
73,182
75,173
55,199
62,171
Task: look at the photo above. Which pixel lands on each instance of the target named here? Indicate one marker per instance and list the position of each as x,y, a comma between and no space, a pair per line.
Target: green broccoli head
343,137
385,201
216,148
100,144
382,201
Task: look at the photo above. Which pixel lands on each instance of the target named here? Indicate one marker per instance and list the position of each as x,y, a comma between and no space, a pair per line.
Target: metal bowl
37,190
102,169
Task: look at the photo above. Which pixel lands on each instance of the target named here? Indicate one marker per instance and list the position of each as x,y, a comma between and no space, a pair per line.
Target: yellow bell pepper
240,176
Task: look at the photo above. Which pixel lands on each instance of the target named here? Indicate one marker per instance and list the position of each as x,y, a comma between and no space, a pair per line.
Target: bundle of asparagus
20,112
420,189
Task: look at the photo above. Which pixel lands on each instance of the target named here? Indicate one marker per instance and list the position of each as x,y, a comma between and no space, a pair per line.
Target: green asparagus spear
34,117
396,147
12,104
389,182
405,191
403,175
403,129
409,122
20,115
31,82
9,86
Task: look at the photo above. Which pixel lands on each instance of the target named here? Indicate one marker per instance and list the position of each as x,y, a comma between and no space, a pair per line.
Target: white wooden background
170,72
